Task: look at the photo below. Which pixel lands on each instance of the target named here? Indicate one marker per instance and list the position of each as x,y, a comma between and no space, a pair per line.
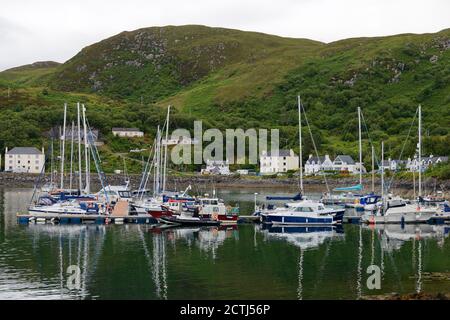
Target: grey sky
56,30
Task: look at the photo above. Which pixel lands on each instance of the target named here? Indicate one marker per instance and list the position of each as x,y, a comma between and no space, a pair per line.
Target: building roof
24,150
316,160
281,153
434,159
345,158
126,129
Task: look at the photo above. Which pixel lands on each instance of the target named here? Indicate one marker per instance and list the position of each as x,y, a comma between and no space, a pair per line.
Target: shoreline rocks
8,179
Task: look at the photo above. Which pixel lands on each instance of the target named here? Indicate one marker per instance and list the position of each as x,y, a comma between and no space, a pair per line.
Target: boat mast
360,146
373,170
51,165
63,141
420,150
157,169
71,157
86,151
300,154
165,150
382,170
80,183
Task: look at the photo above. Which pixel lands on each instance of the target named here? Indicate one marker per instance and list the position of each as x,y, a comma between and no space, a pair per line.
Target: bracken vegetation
235,79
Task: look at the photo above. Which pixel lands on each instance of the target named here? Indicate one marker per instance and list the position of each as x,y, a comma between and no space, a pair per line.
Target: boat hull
189,222
278,219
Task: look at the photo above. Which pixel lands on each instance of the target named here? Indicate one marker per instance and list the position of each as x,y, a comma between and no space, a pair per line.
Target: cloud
57,30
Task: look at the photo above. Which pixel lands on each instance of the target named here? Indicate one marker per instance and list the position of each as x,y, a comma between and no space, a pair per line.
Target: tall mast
300,154
165,150
158,161
63,141
382,170
420,150
51,165
80,183
373,169
71,157
360,146
86,151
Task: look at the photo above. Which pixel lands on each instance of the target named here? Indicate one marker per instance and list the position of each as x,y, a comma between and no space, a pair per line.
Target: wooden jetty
84,219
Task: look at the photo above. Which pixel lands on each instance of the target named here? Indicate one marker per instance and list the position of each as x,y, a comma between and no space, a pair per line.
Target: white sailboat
403,212
302,212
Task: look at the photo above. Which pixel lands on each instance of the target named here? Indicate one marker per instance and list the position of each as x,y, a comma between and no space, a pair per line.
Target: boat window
303,209
125,194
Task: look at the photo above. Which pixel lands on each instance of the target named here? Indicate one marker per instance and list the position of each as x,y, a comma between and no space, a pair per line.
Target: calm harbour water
242,262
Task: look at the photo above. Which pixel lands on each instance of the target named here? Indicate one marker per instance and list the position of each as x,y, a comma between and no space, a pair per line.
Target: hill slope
159,61
231,78
30,73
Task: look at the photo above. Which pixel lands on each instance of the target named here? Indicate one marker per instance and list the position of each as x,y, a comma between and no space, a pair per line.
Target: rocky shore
180,182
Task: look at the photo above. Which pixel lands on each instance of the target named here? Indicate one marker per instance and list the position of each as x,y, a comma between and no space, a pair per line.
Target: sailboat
404,212
83,202
302,212
352,196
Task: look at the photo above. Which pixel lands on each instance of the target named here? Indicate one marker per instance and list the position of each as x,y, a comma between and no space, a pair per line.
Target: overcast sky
56,30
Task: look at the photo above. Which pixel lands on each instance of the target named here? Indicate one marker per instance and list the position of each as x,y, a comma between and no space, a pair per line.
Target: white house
218,167
393,164
243,172
24,159
284,161
413,164
347,164
315,165
127,132
179,140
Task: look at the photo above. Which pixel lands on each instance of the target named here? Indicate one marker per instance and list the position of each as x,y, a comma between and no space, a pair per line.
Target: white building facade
217,167
127,132
314,165
24,160
284,161
413,164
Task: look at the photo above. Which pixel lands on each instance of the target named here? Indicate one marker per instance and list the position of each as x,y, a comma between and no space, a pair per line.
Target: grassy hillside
29,74
156,62
231,79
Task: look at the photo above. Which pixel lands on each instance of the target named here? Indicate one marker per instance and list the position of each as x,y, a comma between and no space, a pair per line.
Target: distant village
31,160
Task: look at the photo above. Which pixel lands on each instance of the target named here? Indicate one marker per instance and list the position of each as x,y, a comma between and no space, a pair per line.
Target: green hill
231,78
30,73
157,62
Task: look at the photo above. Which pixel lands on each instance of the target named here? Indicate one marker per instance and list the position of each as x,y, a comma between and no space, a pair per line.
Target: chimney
6,150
